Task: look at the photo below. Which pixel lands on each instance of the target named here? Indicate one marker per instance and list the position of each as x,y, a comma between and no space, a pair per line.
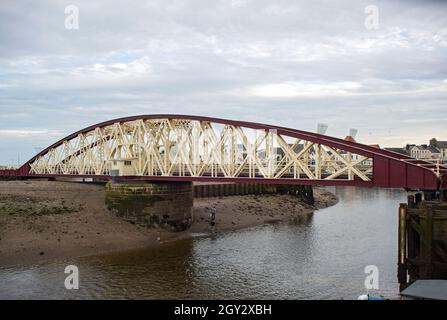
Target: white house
424,152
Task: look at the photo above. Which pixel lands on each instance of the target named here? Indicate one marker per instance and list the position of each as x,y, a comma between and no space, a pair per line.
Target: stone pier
167,205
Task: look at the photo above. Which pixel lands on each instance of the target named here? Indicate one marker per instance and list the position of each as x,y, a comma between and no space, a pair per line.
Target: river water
323,257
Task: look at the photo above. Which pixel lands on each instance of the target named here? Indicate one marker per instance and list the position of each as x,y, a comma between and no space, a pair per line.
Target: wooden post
412,237
226,189
309,195
411,201
231,189
429,195
402,247
428,242
202,191
443,196
418,198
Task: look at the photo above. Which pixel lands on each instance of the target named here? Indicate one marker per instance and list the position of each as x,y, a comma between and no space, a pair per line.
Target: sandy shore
45,220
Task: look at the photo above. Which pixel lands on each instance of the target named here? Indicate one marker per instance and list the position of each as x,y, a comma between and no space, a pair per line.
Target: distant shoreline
42,221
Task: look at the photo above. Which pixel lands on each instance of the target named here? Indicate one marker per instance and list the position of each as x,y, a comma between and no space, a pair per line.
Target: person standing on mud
213,217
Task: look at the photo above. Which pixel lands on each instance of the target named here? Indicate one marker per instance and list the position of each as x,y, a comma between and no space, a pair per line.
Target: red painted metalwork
8,173
391,170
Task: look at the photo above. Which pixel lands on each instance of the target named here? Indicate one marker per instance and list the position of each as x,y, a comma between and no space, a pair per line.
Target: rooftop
350,139
398,150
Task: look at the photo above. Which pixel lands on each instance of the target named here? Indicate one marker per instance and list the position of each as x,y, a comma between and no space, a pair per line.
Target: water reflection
318,257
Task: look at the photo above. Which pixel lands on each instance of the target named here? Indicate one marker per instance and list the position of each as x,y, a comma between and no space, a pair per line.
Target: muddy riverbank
46,220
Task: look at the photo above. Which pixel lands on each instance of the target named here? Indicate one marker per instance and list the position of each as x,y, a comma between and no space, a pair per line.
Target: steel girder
188,148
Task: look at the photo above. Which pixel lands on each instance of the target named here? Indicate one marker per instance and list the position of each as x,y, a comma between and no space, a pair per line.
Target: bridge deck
194,148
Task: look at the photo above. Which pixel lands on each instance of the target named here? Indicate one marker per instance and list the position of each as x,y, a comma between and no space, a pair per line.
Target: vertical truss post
318,162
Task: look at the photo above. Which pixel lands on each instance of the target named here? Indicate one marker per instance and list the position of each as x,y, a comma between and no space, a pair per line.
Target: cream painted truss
179,147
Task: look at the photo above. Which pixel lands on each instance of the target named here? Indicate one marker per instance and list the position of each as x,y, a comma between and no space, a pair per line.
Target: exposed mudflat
45,220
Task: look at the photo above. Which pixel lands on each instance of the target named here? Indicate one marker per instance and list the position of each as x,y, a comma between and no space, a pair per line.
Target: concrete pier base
167,205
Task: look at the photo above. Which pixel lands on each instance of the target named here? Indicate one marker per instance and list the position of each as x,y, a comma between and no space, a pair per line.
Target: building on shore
441,146
435,150
398,150
424,151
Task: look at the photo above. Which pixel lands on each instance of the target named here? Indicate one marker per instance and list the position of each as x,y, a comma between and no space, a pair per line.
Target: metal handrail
439,163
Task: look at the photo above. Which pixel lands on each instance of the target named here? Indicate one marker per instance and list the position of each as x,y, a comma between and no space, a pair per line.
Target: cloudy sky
292,63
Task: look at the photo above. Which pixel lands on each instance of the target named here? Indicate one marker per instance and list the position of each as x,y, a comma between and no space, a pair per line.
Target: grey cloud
205,57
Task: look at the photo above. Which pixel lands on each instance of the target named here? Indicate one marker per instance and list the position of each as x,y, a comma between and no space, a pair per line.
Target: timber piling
422,243
232,189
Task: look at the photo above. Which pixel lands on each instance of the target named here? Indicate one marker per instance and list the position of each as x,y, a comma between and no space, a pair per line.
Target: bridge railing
438,166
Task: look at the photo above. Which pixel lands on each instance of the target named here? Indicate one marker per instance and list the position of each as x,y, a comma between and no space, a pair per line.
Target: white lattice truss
174,147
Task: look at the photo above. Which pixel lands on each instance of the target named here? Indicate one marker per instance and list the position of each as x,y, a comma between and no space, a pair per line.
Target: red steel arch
390,170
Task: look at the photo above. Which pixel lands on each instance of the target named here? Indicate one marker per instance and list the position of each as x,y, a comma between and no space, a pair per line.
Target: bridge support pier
167,205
